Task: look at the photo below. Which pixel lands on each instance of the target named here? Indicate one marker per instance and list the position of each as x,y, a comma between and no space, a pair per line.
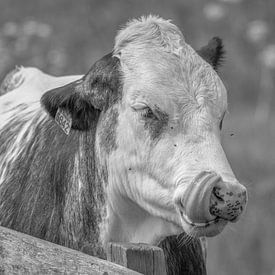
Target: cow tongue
197,200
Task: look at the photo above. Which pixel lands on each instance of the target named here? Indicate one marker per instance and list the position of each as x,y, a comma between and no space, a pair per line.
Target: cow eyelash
148,113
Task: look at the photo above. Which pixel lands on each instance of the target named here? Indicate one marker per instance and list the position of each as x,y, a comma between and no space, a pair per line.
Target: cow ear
85,98
213,52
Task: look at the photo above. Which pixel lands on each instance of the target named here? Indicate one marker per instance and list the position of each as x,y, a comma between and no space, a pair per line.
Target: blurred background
67,37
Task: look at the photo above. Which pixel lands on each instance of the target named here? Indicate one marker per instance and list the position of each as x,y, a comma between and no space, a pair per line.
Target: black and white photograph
137,137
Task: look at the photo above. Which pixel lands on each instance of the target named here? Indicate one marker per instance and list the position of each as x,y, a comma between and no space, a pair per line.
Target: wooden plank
24,254
146,259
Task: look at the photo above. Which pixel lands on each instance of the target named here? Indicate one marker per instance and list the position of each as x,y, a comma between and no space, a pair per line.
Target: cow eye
145,111
148,113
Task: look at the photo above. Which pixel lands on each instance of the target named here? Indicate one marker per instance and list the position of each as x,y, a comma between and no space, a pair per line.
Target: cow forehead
159,67
151,31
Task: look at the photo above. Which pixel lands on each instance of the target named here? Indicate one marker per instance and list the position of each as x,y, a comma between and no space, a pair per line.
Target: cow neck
51,189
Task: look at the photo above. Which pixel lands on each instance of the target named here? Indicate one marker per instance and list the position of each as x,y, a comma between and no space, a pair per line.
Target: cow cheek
162,157
132,139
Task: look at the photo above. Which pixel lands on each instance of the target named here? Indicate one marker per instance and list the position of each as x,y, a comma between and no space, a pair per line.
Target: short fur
48,189
59,197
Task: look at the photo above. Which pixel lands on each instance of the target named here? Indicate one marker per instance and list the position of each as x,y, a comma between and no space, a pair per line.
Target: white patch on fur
30,118
153,230
23,105
35,84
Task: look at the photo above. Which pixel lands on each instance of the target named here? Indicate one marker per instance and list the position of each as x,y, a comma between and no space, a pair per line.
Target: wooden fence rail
24,254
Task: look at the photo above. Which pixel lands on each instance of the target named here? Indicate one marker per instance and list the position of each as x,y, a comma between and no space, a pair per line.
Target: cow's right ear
86,97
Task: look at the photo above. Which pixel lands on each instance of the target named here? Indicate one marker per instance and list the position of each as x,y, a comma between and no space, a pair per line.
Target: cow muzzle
209,199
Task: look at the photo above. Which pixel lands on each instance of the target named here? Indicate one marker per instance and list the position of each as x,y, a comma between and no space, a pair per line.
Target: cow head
159,106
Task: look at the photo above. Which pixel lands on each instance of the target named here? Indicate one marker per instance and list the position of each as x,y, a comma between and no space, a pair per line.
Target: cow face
159,107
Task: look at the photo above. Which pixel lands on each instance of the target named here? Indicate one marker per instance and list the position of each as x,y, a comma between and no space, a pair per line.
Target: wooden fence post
143,258
184,258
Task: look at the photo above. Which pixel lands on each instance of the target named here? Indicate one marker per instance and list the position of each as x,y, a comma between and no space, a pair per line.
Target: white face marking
152,172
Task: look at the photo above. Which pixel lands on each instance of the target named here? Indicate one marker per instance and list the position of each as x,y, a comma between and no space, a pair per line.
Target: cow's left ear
213,52
86,97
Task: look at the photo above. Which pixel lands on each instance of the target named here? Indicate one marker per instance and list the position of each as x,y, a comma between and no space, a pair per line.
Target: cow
129,152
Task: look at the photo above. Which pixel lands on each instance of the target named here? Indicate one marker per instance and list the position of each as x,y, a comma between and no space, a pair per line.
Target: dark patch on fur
185,259
213,52
39,195
99,89
107,133
155,122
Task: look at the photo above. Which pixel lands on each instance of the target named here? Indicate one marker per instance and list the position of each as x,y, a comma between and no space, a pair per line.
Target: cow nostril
217,194
226,203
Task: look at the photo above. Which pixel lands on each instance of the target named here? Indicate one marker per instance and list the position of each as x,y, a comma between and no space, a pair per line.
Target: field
67,37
